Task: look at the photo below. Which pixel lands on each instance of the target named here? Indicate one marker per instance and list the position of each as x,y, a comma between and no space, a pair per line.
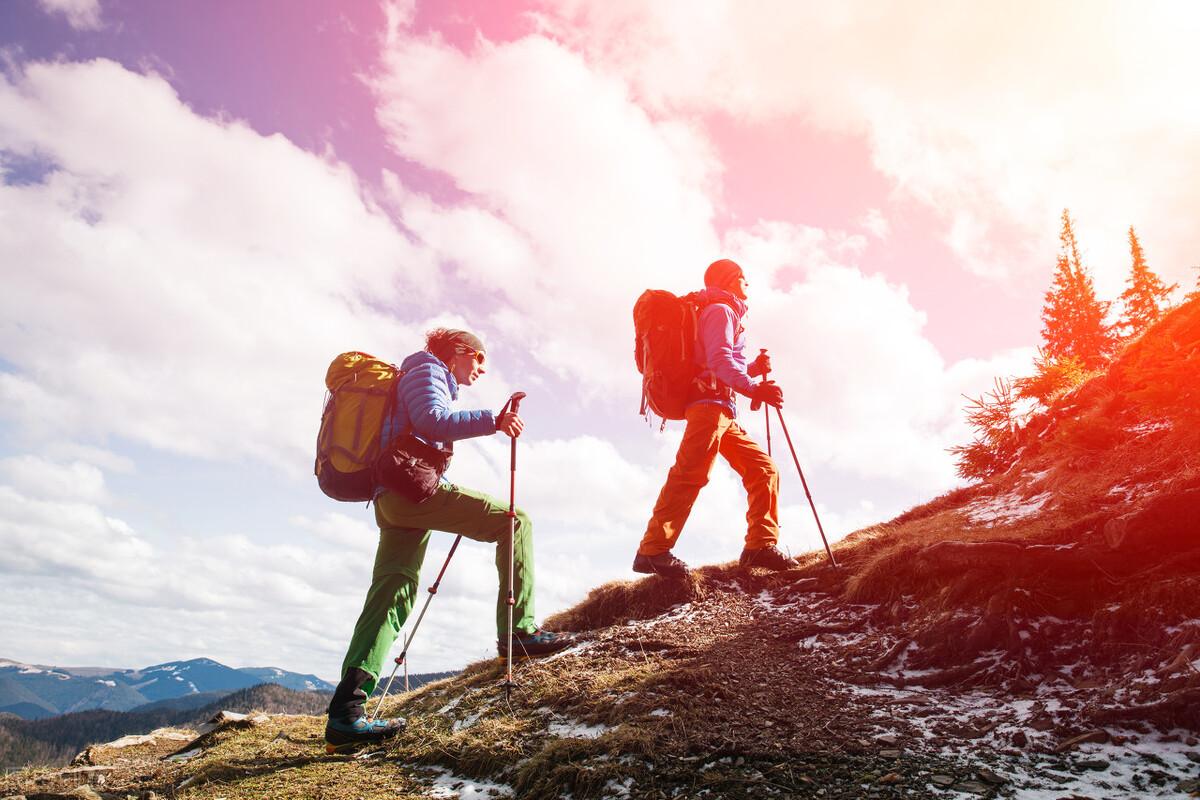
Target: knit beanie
720,274
445,342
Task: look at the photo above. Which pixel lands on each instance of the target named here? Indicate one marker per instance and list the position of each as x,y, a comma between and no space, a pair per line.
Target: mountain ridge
35,691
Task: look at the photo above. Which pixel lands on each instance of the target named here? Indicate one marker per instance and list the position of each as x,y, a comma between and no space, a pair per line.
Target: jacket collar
738,305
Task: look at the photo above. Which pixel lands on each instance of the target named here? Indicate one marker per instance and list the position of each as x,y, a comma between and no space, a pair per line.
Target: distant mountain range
55,740
34,691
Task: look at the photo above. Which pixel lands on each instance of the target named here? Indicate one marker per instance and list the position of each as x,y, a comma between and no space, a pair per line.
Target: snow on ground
574,729
1149,427
1005,509
448,786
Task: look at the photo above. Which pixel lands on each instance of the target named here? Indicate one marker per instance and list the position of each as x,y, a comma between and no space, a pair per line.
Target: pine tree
1073,317
996,421
1146,296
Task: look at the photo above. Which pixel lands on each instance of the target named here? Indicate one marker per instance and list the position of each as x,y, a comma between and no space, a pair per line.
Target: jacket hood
423,358
711,295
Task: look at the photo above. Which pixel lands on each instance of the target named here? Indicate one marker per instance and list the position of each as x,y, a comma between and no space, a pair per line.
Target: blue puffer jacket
423,397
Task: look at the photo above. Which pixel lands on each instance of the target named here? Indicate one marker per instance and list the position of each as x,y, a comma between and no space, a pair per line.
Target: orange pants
711,430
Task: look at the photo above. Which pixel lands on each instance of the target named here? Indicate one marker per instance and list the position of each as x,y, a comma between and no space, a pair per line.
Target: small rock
889,753
1189,786
1193,756
13,797
1042,723
1097,736
1095,764
890,739
986,774
84,793
1019,739
891,777
974,787
942,780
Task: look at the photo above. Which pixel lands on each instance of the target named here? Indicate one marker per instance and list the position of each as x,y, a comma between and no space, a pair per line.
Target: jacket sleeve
426,397
717,324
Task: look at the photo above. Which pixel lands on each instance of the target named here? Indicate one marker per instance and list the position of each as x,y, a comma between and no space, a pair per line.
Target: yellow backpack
361,391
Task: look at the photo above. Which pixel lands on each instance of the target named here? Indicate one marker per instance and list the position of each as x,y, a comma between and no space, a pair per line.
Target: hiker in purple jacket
712,428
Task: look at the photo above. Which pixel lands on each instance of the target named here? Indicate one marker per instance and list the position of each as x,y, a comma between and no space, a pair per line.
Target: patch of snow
615,788
312,687
660,712
573,729
109,684
188,756
1149,427
179,677
1005,508
467,722
28,670
453,704
448,786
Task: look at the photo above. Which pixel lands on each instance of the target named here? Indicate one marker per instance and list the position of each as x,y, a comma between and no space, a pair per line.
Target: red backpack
664,349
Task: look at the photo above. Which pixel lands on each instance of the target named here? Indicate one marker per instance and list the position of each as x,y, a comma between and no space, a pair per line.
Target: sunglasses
466,351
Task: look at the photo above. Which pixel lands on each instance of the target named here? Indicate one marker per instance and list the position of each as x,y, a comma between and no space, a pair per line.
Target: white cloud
82,15
577,196
996,116
38,477
183,282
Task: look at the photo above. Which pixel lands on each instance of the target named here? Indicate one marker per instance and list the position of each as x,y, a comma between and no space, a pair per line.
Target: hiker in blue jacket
430,382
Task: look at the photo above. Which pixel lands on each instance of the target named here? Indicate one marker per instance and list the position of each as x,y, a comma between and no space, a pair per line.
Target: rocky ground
760,686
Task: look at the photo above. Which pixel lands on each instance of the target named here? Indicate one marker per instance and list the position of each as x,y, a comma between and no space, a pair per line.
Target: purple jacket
720,345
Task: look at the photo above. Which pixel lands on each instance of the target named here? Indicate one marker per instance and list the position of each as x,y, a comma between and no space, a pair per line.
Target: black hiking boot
535,643
771,558
348,725
661,564
344,734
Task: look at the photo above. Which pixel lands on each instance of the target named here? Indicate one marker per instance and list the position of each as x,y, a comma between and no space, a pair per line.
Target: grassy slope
1077,569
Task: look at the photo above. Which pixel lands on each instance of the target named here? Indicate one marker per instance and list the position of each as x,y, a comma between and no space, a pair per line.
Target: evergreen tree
1146,296
1073,317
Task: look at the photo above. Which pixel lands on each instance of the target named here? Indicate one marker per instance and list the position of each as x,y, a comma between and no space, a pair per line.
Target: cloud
994,116
82,15
183,282
38,477
575,195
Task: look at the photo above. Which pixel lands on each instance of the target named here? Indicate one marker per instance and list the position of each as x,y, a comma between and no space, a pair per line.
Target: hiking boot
340,732
661,564
536,643
771,558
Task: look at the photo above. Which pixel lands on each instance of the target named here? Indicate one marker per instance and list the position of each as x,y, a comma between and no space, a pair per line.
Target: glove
767,392
759,366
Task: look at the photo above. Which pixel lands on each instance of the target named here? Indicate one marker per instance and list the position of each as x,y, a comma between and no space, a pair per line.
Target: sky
202,203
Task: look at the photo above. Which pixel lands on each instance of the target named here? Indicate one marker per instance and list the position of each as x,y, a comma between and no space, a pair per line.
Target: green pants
403,535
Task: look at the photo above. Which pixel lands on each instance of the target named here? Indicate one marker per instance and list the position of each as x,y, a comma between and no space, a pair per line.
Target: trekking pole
403,657
811,504
515,401
754,404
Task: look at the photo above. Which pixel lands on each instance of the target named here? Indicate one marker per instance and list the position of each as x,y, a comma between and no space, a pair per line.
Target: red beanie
720,274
